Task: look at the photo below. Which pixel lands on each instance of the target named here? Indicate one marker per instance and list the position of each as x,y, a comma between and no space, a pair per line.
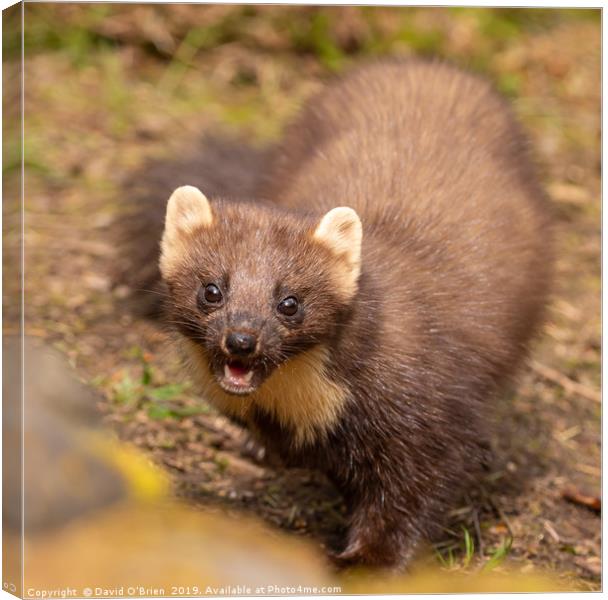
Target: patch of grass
46,30
469,548
127,391
509,84
420,40
458,555
569,548
167,392
117,98
145,392
502,24
314,35
221,463
447,560
158,412
499,555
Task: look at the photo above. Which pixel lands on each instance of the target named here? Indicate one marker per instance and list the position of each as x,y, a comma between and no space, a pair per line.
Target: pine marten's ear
341,232
187,210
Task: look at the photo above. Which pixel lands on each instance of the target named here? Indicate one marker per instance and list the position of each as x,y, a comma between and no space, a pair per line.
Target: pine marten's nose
241,344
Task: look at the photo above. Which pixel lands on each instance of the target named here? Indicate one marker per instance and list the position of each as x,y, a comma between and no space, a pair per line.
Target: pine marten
360,315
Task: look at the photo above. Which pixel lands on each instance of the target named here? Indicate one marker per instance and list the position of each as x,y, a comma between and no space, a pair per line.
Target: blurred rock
63,474
165,545
98,514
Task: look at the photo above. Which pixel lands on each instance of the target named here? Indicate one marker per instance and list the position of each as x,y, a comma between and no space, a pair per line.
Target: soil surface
110,94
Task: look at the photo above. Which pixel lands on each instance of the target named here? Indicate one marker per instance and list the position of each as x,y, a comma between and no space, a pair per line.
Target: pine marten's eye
210,294
288,306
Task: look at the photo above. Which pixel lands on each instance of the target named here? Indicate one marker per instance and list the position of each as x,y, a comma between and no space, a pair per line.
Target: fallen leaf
573,495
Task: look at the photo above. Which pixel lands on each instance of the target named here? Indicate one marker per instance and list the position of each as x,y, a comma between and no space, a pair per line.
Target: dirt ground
110,89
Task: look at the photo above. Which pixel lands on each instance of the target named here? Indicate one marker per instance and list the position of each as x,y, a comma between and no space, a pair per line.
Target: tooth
227,373
248,376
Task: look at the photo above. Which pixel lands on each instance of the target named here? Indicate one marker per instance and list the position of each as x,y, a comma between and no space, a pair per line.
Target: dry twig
565,382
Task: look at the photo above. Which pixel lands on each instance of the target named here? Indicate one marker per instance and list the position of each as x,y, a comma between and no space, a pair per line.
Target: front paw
349,557
373,554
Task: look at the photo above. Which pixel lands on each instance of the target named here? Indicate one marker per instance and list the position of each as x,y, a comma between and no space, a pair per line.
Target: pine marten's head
254,286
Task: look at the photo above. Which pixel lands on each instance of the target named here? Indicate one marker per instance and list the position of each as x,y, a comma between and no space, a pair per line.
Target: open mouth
239,378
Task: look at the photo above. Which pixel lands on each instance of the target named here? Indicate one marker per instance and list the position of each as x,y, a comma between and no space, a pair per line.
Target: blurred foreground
100,516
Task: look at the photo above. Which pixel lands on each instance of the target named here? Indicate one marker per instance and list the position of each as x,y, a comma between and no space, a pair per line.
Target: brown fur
298,395
222,165
453,277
